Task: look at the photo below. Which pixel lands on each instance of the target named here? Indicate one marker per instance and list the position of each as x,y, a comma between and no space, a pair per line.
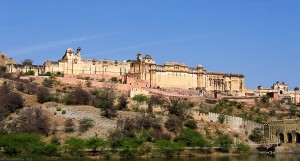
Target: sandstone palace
142,72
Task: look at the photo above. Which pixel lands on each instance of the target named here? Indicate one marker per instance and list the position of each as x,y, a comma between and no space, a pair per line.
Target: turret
78,52
139,56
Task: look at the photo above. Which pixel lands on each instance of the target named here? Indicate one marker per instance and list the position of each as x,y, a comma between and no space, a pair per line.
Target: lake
278,157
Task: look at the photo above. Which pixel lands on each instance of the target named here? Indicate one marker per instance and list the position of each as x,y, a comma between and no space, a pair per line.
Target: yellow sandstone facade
142,72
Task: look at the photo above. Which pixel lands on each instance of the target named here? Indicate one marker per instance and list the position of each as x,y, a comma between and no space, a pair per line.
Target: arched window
281,138
297,138
289,138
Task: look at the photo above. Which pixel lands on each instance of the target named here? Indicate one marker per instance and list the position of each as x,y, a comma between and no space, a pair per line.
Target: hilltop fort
142,72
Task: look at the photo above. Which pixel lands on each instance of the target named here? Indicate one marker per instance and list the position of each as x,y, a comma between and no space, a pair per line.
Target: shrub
48,74
48,82
225,142
122,102
63,112
32,120
114,79
155,101
88,83
30,72
2,69
178,107
58,109
11,101
173,124
30,88
243,148
85,124
78,96
42,94
69,126
192,124
140,98
221,118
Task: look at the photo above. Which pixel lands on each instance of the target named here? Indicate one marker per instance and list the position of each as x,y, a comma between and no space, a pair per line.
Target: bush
114,79
2,69
85,124
32,120
225,142
48,83
122,102
69,126
11,101
173,124
243,148
192,124
50,150
63,112
48,74
88,83
155,101
221,118
178,107
78,97
140,98
30,72
42,94
58,109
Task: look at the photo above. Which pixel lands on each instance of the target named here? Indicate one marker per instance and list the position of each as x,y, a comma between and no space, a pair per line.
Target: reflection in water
278,157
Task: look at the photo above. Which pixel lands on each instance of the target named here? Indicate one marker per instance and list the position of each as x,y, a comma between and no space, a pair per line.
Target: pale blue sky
259,38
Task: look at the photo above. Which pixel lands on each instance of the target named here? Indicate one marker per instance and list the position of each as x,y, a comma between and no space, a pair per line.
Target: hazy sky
259,38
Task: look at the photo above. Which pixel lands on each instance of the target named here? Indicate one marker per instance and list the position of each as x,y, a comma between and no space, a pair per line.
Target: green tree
75,146
192,138
169,148
22,144
256,135
27,62
94,143
225,142
178,107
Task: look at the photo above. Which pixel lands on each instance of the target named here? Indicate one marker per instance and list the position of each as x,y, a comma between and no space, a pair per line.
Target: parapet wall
235,123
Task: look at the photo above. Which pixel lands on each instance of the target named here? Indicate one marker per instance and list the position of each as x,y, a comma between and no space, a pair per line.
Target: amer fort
142,76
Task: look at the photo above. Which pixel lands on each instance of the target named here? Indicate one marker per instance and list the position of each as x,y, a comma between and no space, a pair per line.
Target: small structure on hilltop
279,91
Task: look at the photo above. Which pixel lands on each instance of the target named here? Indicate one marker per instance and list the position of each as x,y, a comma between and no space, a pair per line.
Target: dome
296,89
148,56
199,66
69,50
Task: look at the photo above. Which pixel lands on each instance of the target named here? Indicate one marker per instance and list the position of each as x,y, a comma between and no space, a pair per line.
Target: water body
278,157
